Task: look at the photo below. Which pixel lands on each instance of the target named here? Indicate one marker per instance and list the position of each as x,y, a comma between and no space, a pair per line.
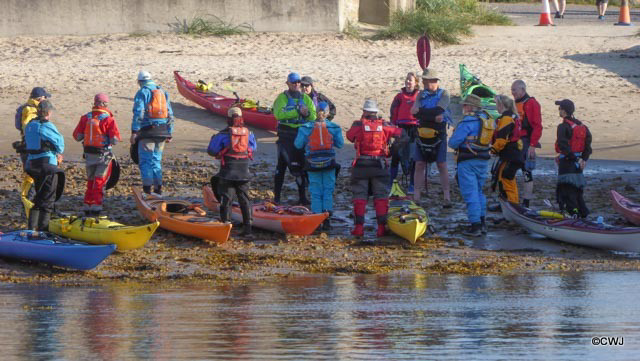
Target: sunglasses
306,85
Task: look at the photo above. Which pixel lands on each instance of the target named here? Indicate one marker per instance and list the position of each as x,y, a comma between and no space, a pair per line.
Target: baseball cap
101,98
293,77
567,105
306,80
38,92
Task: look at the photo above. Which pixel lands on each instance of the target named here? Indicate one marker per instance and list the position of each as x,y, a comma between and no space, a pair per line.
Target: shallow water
399,317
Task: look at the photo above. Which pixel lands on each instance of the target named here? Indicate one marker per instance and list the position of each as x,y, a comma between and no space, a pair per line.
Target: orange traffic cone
625,16
545,15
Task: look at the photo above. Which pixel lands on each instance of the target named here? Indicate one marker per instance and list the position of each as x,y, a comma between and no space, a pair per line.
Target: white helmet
370,105
144,75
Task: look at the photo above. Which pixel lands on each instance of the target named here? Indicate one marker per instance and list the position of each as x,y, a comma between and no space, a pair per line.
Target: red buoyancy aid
157,107
320,138
403,111
374,140
239,145
94,135
578,139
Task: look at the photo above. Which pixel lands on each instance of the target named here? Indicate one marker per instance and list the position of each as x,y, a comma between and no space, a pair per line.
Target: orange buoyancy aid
403,112
374,140
239,145
94,135
157,107
578,139
320,138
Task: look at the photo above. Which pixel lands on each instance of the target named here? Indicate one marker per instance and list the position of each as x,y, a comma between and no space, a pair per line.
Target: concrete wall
379,11
80,17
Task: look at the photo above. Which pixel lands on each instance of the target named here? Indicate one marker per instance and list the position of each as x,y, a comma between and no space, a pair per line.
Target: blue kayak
47,248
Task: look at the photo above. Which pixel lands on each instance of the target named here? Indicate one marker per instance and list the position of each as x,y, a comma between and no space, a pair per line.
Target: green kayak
470,84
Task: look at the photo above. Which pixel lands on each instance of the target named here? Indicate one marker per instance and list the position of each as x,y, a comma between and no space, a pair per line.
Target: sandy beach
596,65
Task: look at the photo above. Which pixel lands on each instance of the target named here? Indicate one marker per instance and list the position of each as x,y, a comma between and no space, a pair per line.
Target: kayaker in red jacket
402,117
371,136
531,120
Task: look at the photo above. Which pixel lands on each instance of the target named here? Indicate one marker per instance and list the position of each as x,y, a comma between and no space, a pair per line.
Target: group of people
307,138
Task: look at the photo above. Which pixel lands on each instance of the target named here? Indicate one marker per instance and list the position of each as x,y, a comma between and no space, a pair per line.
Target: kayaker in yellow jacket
508,146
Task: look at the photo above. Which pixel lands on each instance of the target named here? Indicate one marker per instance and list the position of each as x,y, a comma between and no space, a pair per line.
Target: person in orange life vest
292,108
98,132
151,128
507,145
472,159
402,117
431,110
234,146
318,139
306,85
531,122
371,136
573,146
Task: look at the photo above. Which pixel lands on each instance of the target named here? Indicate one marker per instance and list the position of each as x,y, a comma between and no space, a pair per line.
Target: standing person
234,146
560,9
573,146
318,139
601,5
45,146
306,84
371,136
402,117
471,142
292,108
98,132
151,128
508,146
431,110
531,121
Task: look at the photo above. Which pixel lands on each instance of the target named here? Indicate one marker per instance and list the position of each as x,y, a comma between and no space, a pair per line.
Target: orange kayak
281,219
181,217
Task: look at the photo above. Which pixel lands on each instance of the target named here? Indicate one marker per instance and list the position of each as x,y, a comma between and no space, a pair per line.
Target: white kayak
575,231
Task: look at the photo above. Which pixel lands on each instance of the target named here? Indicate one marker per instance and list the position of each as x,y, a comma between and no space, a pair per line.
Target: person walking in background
234,146
292,108
45,146
471,141
560,9
601,5
531,122
369,173
98,132
151,128
402,117
573,145
318,139
508,146
431,109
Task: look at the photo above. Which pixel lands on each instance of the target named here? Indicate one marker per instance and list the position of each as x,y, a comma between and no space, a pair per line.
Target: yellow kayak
405,218
103,231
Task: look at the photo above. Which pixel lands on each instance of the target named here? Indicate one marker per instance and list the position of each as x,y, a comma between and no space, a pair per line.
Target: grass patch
352,31
445,21
569,2
139,34
209,25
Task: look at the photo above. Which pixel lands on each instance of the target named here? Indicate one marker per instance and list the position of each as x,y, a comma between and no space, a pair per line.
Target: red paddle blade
423,49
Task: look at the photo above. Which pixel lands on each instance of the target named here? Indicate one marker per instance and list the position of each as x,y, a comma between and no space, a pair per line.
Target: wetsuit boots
382,208
359,209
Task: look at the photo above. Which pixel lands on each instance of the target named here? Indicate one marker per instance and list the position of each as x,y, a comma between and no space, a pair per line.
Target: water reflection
322,317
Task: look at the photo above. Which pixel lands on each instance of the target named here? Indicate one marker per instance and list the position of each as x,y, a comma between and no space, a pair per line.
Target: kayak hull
405,218
575,231
103,231
300,225
190,222
220,104
628,209
41,247
470,84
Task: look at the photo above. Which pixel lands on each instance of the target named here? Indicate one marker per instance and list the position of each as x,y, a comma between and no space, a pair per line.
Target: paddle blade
423,49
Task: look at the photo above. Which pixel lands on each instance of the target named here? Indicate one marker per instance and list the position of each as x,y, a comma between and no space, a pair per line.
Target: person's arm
170,118
139,102
301,138
113,132
336,133
534,117
253,144
416,105
78,133
312,108
586,153
444,101
505,128
332,107
459,135
279,111
563,135
51,134
354,131
216,144
393,110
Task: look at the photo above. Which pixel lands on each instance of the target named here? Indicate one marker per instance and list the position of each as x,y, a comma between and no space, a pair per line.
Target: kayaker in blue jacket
44,145
472,158
234,146
151,128
318,139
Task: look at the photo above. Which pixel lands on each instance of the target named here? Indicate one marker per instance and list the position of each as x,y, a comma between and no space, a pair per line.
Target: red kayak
630,210
259,117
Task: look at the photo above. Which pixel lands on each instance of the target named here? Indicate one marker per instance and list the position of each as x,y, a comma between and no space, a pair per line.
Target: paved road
529,14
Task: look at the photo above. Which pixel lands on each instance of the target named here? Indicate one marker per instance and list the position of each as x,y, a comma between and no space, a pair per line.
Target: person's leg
146,148
556,7
46,199
281,168
582,206
34,213
563,7
226,196
242,192
329,185
444,181
507,179
101,174
419,180
380,191
157,166
316,190
468,184
359,190
89,194
481,175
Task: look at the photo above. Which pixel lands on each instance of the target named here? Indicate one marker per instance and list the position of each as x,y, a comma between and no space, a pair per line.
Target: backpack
374,140
486,132
321,155
517,128
578,137
239,147
18,116
157,107
94,137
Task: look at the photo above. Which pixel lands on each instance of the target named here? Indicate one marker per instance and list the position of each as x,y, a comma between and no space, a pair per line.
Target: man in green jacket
292,108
